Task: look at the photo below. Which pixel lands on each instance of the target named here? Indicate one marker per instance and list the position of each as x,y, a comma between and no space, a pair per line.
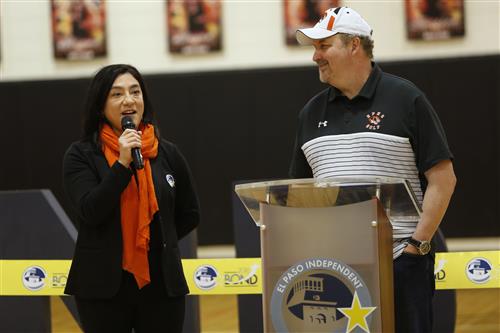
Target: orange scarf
137,203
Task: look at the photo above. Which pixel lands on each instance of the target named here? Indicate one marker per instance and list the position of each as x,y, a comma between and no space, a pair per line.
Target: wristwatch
423,247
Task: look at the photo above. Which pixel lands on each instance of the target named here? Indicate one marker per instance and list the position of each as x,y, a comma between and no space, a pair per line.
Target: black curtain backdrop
239,125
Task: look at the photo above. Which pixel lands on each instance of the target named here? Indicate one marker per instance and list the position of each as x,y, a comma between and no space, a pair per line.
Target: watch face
425,247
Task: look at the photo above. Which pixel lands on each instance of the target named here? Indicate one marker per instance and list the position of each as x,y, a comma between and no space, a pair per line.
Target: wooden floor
478,311
219,313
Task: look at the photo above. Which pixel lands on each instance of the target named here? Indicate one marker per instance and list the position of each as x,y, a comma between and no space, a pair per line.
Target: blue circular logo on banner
34,278
478,270
205,277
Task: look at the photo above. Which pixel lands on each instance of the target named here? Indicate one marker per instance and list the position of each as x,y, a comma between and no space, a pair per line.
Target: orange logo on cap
330,23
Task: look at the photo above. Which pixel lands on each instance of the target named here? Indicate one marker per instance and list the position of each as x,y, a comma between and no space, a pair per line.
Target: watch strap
423,247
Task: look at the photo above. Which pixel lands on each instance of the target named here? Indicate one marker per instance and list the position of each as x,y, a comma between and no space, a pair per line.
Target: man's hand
411,249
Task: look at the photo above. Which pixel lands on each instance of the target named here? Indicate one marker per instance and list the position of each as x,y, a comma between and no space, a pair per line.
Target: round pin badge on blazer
170,180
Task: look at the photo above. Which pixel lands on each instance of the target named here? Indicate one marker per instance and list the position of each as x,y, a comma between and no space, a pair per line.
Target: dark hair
366,42
98,94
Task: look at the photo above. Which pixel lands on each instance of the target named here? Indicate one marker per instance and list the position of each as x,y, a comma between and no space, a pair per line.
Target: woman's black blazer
94,190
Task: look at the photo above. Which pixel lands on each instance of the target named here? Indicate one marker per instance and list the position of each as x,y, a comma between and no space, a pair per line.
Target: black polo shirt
388,130
387,105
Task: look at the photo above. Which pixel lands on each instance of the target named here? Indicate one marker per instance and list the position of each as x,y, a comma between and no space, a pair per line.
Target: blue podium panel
33,226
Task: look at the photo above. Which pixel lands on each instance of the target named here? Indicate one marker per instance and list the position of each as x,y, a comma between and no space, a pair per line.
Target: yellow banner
33,277
467,270
204,276
458,270
223,276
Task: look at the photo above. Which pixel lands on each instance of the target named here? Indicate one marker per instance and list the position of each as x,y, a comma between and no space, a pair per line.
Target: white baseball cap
334,21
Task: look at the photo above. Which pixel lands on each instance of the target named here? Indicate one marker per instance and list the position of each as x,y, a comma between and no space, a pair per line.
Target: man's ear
355,45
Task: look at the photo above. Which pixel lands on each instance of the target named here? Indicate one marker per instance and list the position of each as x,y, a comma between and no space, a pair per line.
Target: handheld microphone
127,123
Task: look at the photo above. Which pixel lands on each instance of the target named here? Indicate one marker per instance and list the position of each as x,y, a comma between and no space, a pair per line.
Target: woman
126,271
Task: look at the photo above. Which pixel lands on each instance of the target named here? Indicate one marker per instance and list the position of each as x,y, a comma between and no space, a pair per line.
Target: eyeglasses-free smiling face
333,59
124,99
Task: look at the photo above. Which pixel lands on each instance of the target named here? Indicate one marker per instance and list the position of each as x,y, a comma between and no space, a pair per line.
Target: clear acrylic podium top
395,195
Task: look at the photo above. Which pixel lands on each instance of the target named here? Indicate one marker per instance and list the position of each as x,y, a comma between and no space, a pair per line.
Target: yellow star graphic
357,314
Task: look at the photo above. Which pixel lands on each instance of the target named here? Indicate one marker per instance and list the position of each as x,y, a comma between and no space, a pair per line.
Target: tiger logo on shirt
374,120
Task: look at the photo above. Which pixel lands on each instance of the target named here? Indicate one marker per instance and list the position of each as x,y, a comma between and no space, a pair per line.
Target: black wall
237,125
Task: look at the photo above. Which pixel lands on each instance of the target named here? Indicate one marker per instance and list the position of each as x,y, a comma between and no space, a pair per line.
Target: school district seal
321,295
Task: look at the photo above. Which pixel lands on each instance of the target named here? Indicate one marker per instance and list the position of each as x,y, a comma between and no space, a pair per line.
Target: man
370,123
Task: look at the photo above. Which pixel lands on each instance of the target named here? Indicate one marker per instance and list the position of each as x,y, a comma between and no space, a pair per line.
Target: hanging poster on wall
304,14
79,29
434,19
194,26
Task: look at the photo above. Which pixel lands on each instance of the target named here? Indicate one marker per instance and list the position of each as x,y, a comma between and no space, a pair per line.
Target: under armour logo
323,123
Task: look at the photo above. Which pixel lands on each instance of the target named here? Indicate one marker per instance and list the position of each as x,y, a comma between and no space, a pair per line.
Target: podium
326,247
